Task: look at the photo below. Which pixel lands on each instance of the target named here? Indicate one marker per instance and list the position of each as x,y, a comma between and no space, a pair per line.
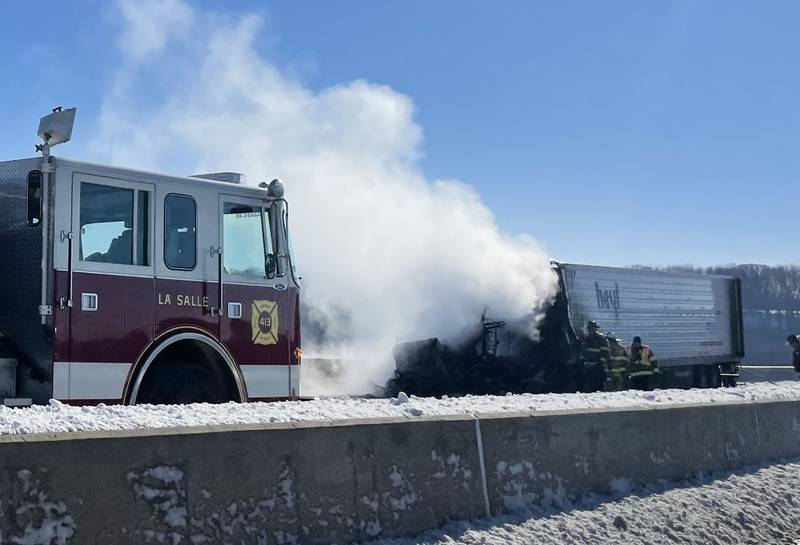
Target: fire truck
122,286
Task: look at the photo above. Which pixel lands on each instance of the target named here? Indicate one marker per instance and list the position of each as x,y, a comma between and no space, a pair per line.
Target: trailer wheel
181,383
698,376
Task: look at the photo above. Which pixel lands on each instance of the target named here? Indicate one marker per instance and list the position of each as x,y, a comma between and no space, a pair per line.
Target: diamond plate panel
20,281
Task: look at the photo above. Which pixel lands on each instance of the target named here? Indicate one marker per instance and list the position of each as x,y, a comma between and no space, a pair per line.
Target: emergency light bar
56,127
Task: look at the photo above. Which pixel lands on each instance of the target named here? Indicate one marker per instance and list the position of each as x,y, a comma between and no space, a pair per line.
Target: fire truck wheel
181,383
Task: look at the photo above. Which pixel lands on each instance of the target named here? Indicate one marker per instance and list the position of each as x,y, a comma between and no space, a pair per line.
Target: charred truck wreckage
691,322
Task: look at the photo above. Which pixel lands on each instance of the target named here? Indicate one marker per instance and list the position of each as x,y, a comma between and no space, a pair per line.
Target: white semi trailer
693,322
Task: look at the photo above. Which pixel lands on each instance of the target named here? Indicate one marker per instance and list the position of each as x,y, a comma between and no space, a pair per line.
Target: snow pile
58,417
755,508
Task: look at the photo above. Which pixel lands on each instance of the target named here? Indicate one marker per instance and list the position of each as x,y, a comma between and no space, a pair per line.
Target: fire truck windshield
247,240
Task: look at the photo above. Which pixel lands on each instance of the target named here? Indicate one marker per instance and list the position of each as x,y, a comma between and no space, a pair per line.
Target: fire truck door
111,284
187,264
251,305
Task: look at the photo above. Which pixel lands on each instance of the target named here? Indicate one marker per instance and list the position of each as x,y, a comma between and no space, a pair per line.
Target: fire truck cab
122,286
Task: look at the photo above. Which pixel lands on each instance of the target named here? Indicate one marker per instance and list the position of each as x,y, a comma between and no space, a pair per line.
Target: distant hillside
771,304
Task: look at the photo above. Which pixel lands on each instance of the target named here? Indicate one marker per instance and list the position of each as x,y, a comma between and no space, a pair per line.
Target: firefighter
794,342
595,358
642,365
618,364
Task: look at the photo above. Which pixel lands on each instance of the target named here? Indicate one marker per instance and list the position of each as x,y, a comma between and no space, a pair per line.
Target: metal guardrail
766,367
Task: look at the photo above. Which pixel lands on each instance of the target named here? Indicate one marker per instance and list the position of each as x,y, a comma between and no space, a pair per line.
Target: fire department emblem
265,322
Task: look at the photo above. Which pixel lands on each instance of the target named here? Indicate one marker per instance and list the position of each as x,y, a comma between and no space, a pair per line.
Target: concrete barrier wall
554,459
346,481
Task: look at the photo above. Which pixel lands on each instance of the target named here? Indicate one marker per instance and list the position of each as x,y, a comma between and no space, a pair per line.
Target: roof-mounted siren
55,128
274,188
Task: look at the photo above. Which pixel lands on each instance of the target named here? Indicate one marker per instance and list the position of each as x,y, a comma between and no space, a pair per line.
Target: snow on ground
58,417
758,507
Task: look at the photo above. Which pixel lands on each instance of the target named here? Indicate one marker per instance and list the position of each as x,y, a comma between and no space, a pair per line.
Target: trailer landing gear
728,374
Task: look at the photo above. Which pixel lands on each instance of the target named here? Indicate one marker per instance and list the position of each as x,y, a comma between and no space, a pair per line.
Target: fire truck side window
246,240
180,232
108,228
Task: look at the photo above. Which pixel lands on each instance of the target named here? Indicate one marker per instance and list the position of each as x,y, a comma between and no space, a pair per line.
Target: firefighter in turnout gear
642,365
617,376
595,358
794,342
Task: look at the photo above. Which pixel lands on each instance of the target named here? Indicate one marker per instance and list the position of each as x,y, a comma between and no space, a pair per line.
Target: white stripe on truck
271,380
101,380
89,380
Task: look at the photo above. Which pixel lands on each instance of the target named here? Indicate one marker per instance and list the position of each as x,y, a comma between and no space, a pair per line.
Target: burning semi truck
692,322
131,287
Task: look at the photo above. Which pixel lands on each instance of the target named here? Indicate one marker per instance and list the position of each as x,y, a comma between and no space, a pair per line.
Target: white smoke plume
385,254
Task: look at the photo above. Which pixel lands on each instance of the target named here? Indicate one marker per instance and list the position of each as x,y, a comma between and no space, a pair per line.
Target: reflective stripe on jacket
595,350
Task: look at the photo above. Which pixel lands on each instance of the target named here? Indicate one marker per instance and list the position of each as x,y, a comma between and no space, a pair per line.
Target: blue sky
614,133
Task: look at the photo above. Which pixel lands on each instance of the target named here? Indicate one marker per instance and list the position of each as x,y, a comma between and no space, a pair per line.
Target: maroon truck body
135,284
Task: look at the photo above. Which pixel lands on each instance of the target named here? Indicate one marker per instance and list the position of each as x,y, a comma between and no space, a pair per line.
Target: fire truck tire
182,383
186,367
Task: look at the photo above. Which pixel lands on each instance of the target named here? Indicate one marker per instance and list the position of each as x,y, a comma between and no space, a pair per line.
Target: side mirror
270,264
